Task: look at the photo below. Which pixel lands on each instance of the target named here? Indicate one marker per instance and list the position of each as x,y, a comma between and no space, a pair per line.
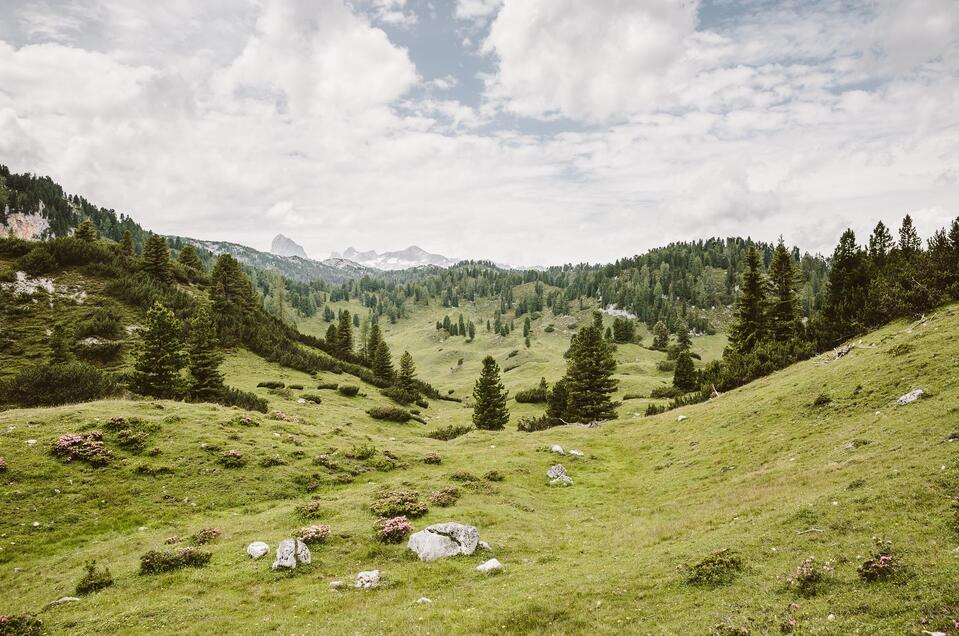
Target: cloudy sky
526,131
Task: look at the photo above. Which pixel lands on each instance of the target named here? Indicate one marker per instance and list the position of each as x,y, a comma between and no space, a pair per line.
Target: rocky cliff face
285,246
30,227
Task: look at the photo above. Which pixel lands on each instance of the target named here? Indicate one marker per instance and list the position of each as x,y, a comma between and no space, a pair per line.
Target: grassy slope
749,470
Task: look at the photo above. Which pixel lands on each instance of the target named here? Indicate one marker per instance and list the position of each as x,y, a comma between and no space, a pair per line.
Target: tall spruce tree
59,344
406,379
684,377
589,377
847,288
750,315
230,288
660,336
206,379
880,244
373,341
86,231
126,244
783,316
490,412
188,257
344,334
156,371
909,242
156,258
382,363
682,337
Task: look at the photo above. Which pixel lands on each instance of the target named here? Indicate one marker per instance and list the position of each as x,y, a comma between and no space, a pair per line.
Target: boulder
289,553
442,540
257,549
556,448
910,397
562,482
490,566
680,418
365,580
557,471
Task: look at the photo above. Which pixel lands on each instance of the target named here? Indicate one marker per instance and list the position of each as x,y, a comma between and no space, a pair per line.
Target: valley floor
760,470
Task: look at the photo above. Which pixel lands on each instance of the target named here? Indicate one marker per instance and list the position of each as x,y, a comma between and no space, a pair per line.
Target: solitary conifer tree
660,336
783,316
86,231
382,362
750,324
406,380
684,378
589,377
59,344
682,337
157,369
126,244
206,380
490,411
156,258
344,334
373,340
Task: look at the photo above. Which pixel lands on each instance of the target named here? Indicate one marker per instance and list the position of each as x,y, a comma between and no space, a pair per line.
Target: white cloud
477,10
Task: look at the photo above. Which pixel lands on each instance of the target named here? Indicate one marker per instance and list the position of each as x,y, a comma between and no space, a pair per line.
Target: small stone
289,552
556,448
257,549
831,617
577,453
36,524
142,529
562,482
301,401
335,585
423,599
30,442
392,439
442,540
556,471
482,545
303,553
365,580
65,599
681,418
490,566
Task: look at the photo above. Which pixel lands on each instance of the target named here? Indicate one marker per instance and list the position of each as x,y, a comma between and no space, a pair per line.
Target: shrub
3,464
271,384
232,396
313,535
132,440
430,458
271,461
393,530
388,413
326,461
98,351
242,420
445,497
810,577
549,329
450,432
398,395
399,502
533,424
310,509
667,366
158,561
312,398
205,535
464,476
718,568
87,447
232,459
94,579
348,390
882,565
54,384
535,395
665,392
106,322
361,452
494,475
330,386
295,387
21,625
37,261
822,400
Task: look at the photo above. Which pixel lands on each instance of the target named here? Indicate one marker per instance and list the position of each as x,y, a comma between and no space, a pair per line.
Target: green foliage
533,424
156,259
665,392
206,379
489,410
189,258
749,327
389,413
399,503
271,384
452,431
58,383
382,362
557,401
660,336
406,379
160,561
161,356
21,625
535,395
589,378
348,390
86,231
685,377
94,579
718,568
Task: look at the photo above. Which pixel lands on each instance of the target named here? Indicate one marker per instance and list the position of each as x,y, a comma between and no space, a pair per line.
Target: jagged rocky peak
412,256
285,246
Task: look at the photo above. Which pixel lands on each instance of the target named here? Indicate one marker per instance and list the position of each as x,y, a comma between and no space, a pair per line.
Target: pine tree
589,377
749,327
206,379
880,244
847,289
660,336
461,326
189,258
909,242
783,315
557,401
406,380
156,258
373,341
682,337
278,294
471,328
527,327
684,377
489,412
383,362
59,344
126,244
86,231
230,288
156,371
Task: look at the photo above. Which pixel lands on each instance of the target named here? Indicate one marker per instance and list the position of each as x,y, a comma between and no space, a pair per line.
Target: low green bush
450,432
348,390
399,503
389,413
533,424
330,386
54,384
159,561
718,568
94,579
271,384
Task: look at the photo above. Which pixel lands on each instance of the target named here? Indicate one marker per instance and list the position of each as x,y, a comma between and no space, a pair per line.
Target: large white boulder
289,553
911,397
367,579
443,540
257,549
556,448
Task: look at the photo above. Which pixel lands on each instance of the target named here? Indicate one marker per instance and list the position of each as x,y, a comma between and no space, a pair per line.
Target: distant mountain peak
285,246
412,256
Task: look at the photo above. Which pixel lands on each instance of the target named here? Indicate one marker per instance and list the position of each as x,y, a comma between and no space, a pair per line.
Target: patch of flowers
232,459
810,576
21,625
243,420
432,458
311,509
158,561
132,440
882,565
313,535
397,503
87,447
393,530
272,460
445,497
205,535
94,579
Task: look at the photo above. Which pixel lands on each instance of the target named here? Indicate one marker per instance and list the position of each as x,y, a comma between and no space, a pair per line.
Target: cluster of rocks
558,476
556,448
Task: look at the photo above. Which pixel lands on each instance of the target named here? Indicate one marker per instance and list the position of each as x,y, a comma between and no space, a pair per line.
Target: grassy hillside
760,470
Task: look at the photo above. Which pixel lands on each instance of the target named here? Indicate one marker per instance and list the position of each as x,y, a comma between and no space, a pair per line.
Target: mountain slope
761,470
411,257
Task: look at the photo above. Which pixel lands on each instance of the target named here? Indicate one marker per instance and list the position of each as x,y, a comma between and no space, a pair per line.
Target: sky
522,131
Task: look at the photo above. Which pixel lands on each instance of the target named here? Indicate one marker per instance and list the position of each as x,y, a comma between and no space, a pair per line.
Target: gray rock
335,585
423,599
257,549
365,580
443,540
562,482
680,418
482,545
910,397
490,566
556,448
289,553
577,453
557,471
303,553
64,599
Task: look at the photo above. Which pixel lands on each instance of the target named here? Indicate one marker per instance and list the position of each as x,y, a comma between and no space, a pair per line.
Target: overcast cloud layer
525,131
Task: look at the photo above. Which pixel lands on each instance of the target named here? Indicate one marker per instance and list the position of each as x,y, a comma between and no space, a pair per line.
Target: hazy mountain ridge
412,256
285,246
